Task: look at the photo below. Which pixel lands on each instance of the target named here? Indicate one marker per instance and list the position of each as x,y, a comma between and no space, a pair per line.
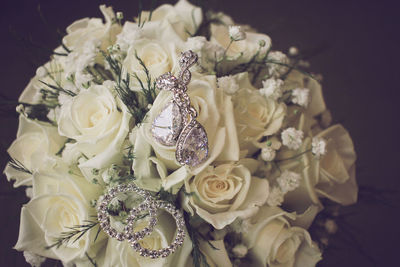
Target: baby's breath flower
272,88
292,138
236,33
288,181
331,226
228,84
275,197
239,251
318,146
120,15
268,153
276,63
301,96
293,51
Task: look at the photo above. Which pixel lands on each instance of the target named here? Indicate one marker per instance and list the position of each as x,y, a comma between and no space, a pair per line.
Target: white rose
215,113
215,257
184,17
60,200
97,123
158,58
331,176
226,192
272,241
32,92
35,148
83,30
122,254
130,33
255,115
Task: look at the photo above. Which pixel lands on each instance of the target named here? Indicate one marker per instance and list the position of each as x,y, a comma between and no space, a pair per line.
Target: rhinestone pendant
192,145
167,125
177,124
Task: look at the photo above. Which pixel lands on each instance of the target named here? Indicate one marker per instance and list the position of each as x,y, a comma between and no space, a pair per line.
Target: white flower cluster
270,144
288,181
236,33
292,138
272,88
301,96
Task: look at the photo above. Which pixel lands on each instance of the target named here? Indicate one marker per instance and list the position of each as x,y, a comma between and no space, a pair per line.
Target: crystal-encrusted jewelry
150,206
104,217
176,124
179,236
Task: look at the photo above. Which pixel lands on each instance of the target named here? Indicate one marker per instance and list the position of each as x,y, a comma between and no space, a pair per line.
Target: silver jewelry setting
149,205
176,124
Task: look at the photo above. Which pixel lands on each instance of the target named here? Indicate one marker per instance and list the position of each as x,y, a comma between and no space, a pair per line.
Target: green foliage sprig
75,233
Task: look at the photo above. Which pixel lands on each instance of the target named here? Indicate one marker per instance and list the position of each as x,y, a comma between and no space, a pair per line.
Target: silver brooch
176,124
149,207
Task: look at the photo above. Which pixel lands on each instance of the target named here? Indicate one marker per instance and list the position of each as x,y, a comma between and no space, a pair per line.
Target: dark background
359,62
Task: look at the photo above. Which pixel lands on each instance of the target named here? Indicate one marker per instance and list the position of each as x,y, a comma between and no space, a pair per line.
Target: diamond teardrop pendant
167,125
176,123
192,145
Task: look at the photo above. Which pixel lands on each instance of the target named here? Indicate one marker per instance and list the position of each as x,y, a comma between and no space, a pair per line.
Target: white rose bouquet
110,178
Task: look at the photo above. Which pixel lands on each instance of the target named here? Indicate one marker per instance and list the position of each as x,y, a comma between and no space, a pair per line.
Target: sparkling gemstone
167,125
193,145
167,82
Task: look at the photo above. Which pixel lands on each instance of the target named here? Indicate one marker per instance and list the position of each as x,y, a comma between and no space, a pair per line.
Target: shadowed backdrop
357,47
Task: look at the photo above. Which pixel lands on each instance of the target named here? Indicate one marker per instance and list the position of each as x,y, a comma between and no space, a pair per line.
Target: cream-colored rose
242,51
256,116
216,256
184,17
158,58
60,200
223,193
86,29
122,254
273,242
51,69
155,165
98,124
331,175
34,148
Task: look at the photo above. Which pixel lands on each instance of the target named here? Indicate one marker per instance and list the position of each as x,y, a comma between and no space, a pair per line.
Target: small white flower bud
268,153
292,138
236,33
240,251
331,226
293,51
301,96
119,15
318,146
288,181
